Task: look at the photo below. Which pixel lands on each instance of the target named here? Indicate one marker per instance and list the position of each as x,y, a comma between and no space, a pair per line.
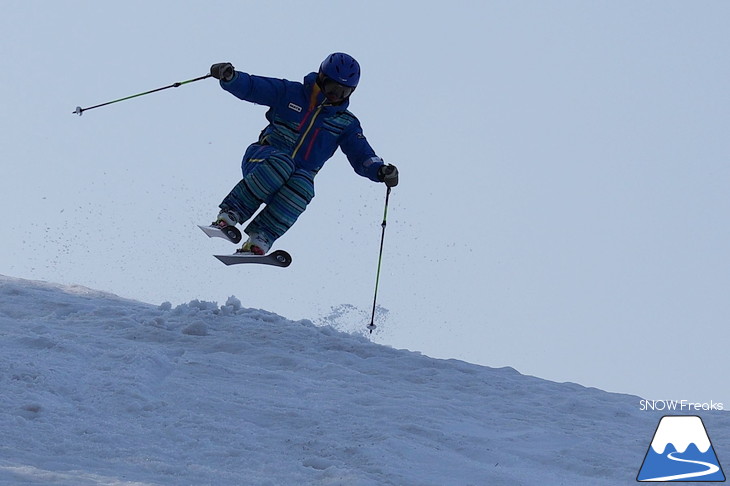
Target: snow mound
97,389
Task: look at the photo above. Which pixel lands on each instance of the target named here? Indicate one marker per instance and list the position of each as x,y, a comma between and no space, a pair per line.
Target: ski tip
279,258
282,257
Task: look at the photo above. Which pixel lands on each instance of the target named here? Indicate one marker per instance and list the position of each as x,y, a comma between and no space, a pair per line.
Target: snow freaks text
679,406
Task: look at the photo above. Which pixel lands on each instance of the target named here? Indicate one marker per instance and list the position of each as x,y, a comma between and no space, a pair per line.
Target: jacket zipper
306,132
311,143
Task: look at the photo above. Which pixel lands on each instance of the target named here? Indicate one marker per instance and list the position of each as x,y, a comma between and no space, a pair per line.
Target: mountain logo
681,451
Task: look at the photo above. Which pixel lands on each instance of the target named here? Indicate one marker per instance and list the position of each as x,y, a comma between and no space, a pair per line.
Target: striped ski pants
269,177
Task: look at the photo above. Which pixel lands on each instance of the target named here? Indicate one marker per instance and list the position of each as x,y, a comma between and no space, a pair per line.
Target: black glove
388,173
223,71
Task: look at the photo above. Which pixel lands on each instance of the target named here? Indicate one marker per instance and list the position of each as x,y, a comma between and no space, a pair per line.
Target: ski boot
255,245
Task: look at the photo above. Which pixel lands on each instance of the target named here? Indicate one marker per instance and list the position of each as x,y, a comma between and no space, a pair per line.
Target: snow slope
98,390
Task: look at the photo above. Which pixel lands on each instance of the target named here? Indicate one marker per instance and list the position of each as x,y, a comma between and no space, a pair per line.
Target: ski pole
372,325
80,110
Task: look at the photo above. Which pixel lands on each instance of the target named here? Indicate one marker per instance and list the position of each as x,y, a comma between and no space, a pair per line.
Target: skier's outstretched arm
256,89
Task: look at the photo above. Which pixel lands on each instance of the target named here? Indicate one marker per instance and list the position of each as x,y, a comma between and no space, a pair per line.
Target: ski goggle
335,91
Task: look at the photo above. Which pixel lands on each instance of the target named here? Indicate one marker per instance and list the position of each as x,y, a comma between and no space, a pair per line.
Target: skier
307,122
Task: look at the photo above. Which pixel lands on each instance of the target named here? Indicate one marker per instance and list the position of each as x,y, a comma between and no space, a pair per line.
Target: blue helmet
342,68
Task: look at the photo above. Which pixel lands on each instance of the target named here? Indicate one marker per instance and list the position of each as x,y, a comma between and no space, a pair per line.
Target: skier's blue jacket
303,125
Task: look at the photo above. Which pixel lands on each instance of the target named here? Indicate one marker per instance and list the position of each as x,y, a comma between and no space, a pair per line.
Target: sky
564,175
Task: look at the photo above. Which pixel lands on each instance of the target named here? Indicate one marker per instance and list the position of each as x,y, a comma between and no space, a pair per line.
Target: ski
230,233
278,258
